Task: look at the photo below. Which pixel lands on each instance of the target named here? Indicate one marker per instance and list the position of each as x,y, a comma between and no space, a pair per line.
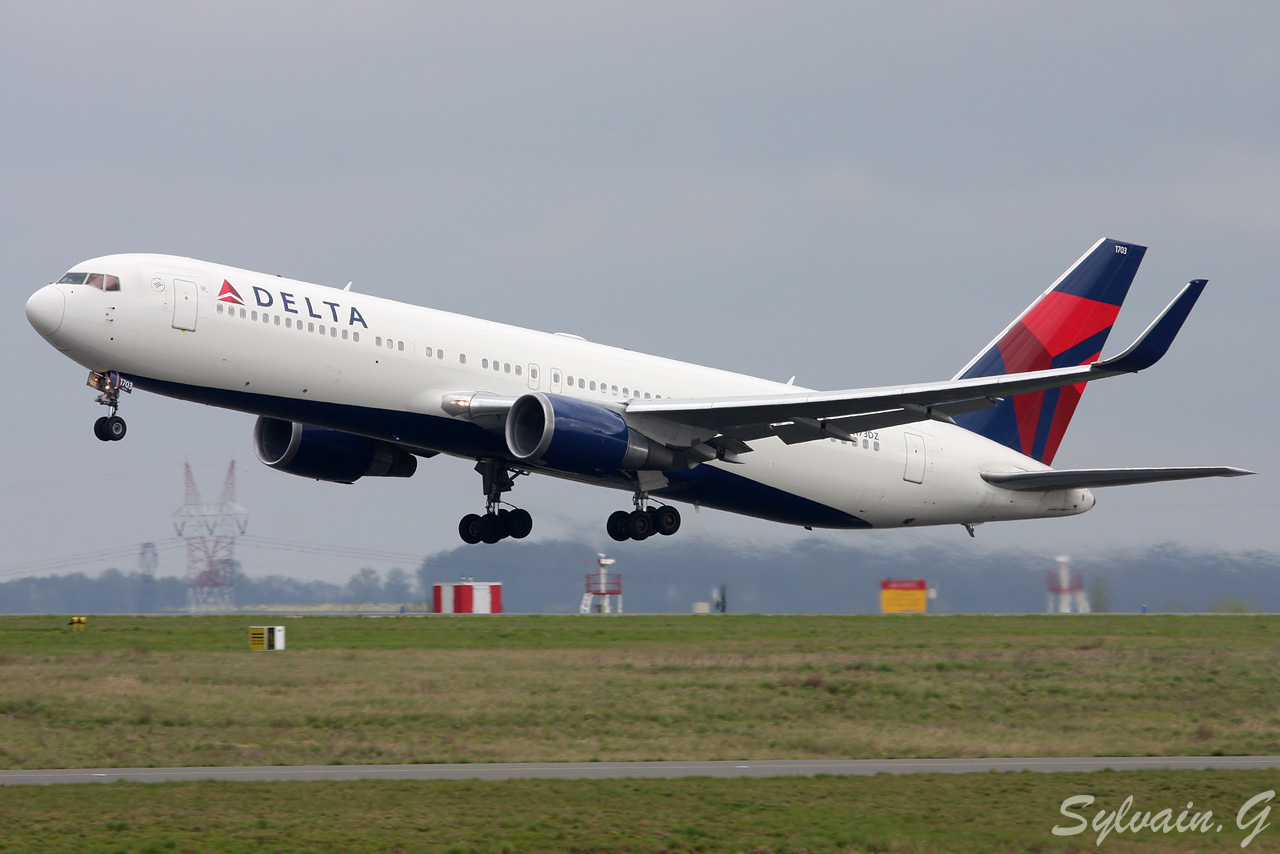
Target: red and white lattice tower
603,584
1066,590
210,531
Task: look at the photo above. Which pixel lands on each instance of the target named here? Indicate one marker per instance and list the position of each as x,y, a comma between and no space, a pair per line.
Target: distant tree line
116,592
818,576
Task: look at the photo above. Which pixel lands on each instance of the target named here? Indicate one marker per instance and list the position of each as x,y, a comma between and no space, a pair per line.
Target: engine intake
572,435
327,454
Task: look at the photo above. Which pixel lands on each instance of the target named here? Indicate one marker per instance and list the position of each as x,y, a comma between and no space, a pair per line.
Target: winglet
1154,342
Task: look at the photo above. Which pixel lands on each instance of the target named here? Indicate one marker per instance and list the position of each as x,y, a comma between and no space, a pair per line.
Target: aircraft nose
45,309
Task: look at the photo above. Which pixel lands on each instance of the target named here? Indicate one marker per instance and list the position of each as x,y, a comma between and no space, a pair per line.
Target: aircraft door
914,472
185,302
535,377
556,380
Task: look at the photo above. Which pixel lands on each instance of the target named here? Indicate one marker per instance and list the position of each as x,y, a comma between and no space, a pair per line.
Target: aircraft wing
1036,481
806,416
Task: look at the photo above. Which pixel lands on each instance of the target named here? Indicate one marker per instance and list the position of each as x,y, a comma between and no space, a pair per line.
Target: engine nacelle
327,454
573,435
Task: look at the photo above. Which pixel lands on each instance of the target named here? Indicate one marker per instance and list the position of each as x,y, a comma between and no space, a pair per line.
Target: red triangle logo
229,294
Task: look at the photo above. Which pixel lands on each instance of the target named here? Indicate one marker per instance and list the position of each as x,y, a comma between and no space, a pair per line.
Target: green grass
187,691
915,813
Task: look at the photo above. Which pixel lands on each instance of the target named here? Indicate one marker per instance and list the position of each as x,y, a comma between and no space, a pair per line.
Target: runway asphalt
618,770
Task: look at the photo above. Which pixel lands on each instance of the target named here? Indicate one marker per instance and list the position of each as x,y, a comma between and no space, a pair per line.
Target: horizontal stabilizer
1036,481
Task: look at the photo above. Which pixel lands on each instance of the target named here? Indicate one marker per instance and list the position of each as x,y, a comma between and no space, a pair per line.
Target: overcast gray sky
856,194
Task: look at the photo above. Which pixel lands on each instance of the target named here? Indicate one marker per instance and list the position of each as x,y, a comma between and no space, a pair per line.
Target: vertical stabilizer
1068,325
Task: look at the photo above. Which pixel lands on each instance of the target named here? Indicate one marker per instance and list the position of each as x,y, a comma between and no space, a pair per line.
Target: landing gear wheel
491,528
666,520
469,529
100,429
619,525
114,428
519,524
641,525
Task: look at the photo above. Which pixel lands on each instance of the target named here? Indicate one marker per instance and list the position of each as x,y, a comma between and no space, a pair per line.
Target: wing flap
1037,481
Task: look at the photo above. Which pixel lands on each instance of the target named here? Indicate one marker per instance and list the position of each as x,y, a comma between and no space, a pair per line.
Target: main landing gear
498,522
644,521
108,428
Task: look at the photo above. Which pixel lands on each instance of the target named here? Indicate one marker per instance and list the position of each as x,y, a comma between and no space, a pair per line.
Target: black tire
490,528
115,428
641,525
469,529
619,525
666,520
100,429
519,524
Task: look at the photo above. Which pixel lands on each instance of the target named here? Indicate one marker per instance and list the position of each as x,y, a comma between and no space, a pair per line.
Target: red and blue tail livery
1067,326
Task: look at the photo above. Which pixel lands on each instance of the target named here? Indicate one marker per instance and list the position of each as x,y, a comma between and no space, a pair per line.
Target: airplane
348,385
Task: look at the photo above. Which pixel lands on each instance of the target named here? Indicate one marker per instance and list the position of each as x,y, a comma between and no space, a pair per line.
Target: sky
853,194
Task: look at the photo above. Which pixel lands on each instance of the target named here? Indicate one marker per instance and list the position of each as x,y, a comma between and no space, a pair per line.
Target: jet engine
573,435
327,454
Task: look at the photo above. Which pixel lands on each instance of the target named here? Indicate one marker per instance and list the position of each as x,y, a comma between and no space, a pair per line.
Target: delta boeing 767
347,385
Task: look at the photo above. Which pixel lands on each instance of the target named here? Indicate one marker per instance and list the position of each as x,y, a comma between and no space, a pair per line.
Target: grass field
919,813
187,691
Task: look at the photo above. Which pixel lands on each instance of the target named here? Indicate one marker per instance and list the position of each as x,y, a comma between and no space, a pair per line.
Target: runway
621,770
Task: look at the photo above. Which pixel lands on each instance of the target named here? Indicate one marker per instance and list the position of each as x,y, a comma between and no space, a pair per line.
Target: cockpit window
100,281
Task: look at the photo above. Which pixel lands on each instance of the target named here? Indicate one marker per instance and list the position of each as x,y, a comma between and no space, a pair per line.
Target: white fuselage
379,368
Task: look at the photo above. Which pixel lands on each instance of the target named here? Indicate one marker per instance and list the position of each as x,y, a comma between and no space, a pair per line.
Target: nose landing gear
109,428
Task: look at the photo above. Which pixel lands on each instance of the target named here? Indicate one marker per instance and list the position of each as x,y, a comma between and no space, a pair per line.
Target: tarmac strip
622,770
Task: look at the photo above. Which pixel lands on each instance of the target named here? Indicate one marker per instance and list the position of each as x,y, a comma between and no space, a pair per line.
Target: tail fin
1068,325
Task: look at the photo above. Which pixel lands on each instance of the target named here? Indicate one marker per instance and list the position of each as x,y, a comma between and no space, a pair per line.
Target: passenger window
613,389
344,335
321,329
484,363
253,315
355,336
333,332
568,380
311,327
288,323
462,358
266,318
646,395
625,393
517,370
593,385
277,320
439,354
242,314
378,341
219,308
506,367
400,346
583,384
